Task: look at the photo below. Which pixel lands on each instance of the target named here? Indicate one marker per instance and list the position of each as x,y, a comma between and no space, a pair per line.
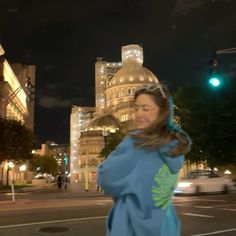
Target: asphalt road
44,213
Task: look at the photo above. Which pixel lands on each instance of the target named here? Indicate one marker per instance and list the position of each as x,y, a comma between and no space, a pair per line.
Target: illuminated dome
121,88
105,122
132,71
133,74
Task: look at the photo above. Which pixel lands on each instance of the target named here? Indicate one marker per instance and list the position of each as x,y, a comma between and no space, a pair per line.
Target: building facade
27,74
79,119
12,95
14,104
115,84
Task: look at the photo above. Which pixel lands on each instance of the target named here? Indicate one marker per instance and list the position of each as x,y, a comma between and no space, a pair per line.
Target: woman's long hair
164,129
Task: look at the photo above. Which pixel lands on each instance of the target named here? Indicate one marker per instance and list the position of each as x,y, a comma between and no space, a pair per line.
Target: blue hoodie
141,184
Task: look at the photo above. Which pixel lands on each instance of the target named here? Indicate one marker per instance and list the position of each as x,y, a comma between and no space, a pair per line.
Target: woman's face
145,111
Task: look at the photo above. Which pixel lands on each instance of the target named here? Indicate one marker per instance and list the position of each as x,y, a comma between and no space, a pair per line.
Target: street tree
17,141
44,164
113,139
209,118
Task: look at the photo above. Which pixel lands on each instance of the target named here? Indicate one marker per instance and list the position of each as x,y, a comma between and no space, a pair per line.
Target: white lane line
223,205
179,200
53,221
207,207
198,215
209,200
226,209
9,194
215,232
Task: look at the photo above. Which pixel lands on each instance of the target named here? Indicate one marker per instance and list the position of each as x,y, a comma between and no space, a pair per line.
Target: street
47,212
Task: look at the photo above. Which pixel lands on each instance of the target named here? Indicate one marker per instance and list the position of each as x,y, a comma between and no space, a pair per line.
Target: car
203,181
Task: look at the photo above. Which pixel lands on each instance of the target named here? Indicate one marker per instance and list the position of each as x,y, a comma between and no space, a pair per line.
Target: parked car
203,181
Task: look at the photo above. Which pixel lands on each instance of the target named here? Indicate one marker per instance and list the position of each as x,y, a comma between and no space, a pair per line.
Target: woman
141,173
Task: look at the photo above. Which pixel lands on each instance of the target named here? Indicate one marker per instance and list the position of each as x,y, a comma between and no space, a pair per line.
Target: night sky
63,38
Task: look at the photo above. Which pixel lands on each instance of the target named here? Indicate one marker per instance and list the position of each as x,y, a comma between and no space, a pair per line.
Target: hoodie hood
174,163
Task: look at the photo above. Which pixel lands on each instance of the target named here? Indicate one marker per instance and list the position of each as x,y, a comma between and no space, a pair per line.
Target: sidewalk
74,195
74,189
71,187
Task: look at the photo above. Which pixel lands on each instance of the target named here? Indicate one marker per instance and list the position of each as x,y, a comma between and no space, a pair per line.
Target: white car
203,181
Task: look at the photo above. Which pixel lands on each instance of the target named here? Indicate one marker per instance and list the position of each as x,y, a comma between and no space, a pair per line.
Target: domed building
121,88
115,85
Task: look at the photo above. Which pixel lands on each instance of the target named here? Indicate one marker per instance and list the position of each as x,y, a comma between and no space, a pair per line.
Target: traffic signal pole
226,51
214,77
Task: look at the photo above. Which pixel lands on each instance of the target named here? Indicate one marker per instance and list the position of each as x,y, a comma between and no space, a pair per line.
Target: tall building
104,71
115,84
79,119
58,152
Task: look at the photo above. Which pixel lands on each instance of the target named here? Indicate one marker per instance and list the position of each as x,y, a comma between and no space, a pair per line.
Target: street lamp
22,168
10,165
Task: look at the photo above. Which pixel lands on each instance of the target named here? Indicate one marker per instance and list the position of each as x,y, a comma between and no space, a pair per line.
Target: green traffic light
65,159
215,82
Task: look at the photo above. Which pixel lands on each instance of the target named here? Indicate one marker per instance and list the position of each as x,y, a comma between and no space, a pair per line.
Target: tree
44,164
17,141
209,118
113,139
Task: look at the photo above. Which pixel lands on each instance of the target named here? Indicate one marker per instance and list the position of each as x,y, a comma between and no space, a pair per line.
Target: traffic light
29,87
65,159
214,78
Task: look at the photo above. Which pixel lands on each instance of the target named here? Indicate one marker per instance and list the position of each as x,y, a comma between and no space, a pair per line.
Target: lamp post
105,134
86,178
10,165
65,172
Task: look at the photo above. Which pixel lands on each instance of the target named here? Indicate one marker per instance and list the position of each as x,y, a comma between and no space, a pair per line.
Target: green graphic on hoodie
165,183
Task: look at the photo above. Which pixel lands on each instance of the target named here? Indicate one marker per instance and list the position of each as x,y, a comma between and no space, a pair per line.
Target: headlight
184,184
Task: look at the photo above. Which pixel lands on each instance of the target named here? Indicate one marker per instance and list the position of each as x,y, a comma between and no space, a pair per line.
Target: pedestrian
59,182
141,173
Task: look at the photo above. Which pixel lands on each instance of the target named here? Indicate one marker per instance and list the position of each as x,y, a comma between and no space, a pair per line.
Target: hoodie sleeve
114,173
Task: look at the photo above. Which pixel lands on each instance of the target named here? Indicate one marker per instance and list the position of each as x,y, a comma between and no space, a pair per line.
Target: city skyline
63,39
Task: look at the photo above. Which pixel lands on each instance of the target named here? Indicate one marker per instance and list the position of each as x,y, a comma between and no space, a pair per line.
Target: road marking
10,194
215,232
228,209
207,207
50,204
176,199
198,215
53,221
